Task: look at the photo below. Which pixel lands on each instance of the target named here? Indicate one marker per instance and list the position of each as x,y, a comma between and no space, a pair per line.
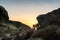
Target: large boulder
49,25
3,15
49,17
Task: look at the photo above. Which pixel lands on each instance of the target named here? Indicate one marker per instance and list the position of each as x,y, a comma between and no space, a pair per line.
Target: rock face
49,25
3,15
49,17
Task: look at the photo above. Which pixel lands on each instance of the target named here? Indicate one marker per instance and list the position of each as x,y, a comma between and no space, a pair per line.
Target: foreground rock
3,15
49,26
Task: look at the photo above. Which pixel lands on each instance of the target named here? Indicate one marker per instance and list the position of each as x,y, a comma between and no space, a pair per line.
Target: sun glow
28,21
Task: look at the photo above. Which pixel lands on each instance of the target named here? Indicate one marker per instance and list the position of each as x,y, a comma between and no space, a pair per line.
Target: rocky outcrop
9,28
49,25
3,15
49,17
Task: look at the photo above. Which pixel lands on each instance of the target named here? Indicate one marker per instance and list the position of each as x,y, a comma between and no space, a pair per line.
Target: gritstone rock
49,17
3,15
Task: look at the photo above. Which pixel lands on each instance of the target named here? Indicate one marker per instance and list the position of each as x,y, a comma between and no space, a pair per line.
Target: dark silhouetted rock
49,25
49,17
3,15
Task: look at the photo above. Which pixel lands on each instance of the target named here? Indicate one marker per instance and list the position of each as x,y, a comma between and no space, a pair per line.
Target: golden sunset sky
26,11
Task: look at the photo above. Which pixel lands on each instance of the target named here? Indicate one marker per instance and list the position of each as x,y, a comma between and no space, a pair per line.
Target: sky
26,11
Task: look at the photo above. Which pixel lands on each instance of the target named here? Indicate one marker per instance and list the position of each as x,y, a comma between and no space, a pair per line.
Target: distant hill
20,25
